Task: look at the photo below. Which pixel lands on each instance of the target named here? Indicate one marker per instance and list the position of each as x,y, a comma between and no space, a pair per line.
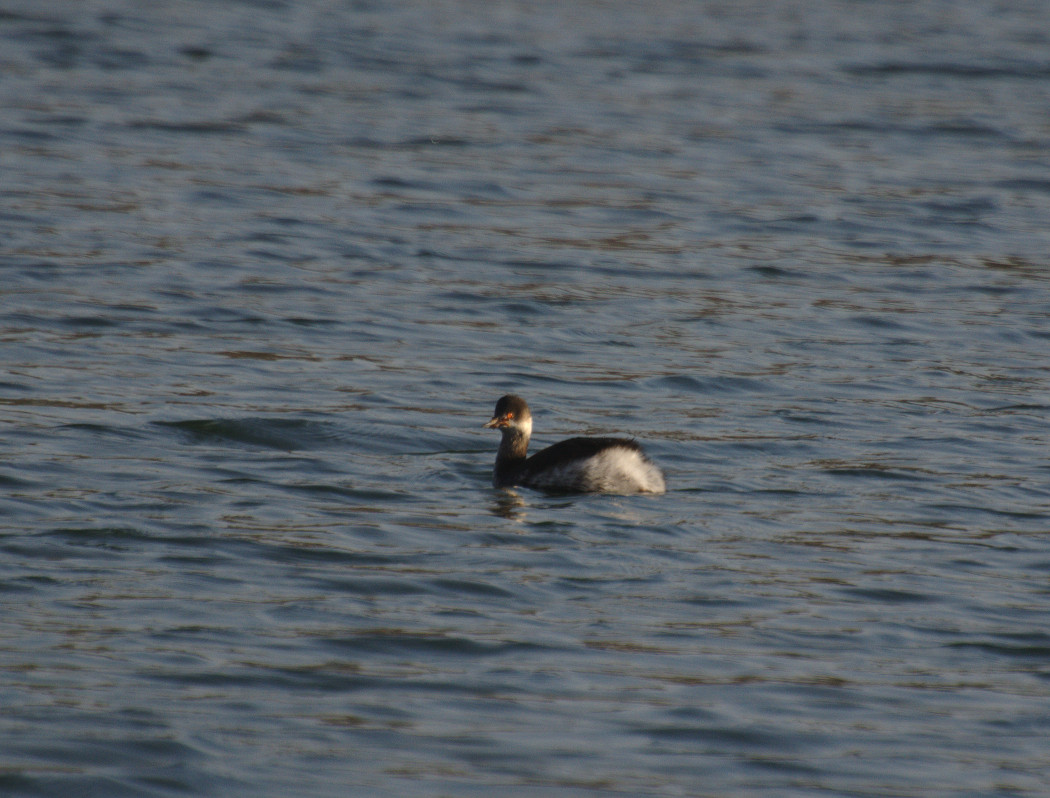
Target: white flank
613,470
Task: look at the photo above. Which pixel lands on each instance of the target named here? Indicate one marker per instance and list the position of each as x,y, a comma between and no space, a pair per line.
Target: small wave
871,470
194,128
426,644
890,596
270,433
1020,69
710,385
1034,646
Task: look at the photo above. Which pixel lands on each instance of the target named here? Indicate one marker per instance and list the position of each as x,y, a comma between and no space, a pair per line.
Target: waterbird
607,465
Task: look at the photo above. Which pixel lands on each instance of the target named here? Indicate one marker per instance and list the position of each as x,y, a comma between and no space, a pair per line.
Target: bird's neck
514,445
513,449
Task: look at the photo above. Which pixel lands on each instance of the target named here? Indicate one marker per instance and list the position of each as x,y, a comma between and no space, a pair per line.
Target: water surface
266,269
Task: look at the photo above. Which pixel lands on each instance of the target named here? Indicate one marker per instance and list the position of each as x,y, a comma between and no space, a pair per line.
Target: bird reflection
509,504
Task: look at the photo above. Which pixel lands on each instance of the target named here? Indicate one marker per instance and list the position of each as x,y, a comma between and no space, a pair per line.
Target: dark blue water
266,267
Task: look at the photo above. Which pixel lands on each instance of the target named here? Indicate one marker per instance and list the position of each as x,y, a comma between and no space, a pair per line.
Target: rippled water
267,267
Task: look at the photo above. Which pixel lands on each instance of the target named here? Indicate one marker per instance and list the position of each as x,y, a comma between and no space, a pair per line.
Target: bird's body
609,465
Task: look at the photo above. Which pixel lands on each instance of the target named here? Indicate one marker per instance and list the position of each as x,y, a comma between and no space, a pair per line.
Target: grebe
611,465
